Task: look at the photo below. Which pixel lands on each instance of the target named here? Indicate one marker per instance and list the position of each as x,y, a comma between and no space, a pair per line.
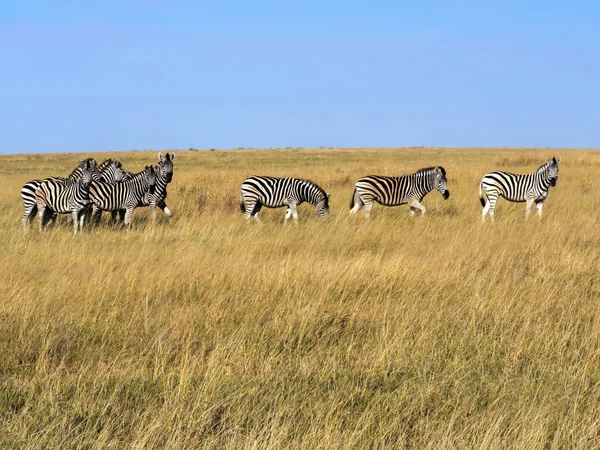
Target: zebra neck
544,181
161,187
424,184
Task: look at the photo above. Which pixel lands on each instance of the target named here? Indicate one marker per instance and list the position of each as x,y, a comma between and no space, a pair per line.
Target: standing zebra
394,191
109,171
70,196
29,188
530,188
126,195
274,192
164,175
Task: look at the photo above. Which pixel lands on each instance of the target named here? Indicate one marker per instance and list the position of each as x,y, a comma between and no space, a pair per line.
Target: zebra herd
91,189
259,191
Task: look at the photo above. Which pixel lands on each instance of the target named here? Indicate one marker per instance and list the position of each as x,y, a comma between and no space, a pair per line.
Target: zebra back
129,193
393,191
275,192
66,195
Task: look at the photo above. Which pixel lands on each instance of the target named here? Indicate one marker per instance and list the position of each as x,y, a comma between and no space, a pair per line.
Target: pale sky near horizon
113,75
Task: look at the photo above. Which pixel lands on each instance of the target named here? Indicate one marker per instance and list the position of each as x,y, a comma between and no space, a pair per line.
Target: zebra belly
384,203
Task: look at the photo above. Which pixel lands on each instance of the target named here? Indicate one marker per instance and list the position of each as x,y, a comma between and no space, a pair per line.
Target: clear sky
119,75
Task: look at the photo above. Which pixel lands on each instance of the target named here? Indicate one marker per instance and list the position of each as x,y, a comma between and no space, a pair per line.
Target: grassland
206,331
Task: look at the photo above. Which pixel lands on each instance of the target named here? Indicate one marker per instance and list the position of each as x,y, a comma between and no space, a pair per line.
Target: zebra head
88,172
322,206
150,178
551,169
165,165
441,182
111,171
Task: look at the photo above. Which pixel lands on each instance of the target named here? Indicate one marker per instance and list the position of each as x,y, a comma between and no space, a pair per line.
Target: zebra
70,196
29,188
126,195
394,191
164,175
530,188
272,192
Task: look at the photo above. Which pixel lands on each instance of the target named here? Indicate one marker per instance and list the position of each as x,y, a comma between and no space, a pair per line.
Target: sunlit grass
207,331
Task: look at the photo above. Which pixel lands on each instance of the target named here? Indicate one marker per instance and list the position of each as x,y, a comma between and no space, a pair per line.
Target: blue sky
115,75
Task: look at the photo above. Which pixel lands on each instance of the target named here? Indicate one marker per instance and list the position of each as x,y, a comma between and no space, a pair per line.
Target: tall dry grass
210,332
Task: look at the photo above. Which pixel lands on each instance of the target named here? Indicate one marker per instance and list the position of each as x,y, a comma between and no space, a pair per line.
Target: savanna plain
207,331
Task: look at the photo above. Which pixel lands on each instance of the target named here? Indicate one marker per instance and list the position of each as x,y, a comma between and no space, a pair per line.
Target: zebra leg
41,214
528,206
75,219
288,214
81,221
539,206
153,212
368,208
96,214
257,208
162,205
359,204
414,206
294,212
490,206
29,215
53,218
485,210
128,215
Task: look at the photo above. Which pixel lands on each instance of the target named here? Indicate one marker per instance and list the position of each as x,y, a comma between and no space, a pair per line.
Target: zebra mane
430,169
77,170
109,162
543,167
315,185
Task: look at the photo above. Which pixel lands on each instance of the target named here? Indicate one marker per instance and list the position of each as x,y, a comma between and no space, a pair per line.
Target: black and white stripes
126,195
66,196
108,187
272,192
530,188
393,191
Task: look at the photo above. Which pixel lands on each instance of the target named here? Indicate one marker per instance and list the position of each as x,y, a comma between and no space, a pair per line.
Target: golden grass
207,331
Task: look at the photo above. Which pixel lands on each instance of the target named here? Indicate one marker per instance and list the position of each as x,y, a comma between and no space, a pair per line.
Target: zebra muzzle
446,194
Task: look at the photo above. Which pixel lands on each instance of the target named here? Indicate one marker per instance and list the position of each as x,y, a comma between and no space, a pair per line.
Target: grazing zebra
530,188
29,188
394,191
126,195
69,196
274,192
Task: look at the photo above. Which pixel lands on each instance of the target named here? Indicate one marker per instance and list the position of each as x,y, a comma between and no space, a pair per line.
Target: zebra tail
352,198
242,207
481,196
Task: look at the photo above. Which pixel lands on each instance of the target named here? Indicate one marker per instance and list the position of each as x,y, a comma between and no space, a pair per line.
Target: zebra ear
438,170
548,160
160,157
172,156
557,160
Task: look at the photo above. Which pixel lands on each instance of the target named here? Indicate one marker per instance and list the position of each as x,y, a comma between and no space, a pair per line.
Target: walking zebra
274,192
394,191
29,188
69,196
530,188
126,195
